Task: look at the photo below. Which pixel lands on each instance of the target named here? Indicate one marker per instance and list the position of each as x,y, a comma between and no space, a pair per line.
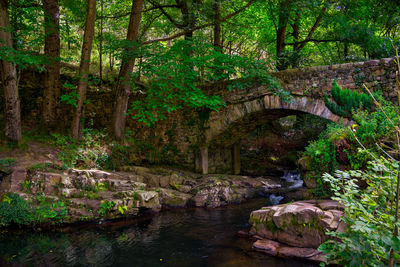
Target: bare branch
168,16
314,27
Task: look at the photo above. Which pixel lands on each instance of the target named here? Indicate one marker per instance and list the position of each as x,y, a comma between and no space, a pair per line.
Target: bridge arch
222,125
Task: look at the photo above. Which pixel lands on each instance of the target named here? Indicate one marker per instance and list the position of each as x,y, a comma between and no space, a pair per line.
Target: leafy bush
370,216
373,126
347,100
323,155
89,152
338,142
16,210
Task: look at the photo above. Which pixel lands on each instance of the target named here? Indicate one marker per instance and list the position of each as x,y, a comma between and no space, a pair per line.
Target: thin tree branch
313,28
157,7
147,26
315,41
198,27
168,16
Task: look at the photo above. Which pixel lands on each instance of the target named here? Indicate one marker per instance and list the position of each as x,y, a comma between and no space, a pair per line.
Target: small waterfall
275,199
293,179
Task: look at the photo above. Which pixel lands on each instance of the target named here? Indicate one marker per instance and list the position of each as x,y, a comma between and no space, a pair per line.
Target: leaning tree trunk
123,88
84,68
52,52
12,112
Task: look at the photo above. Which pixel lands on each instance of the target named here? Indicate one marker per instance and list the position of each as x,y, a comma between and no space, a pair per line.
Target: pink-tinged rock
295,252
330,205
267,246
243,233
273,248
341,227
302,253
299,224
301,236
329,220
299,212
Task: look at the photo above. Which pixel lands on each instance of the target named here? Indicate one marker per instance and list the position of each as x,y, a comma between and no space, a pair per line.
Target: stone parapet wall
317,81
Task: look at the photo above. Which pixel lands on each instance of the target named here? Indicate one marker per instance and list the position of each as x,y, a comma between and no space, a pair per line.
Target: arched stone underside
226,127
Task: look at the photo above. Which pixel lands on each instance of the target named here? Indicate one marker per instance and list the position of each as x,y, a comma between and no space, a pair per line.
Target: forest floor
31,153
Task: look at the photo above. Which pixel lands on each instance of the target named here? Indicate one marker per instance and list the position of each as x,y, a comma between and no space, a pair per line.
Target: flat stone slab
276,249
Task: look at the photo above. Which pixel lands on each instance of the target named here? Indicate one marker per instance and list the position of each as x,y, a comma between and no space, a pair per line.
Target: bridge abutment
236,158
201,160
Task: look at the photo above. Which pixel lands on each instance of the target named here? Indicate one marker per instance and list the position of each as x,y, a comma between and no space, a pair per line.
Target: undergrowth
337,147
14,210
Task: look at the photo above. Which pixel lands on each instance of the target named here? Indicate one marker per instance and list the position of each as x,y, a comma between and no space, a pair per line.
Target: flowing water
183,237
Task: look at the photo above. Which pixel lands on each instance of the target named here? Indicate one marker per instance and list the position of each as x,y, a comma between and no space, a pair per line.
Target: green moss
271,226
44,167
268,224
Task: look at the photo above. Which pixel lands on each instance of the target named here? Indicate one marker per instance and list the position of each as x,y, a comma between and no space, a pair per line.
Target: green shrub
370,128
370,216
89,152
373,126
105,207
345,101
16,210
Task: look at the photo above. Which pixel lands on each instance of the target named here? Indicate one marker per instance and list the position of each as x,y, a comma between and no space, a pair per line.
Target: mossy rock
305,163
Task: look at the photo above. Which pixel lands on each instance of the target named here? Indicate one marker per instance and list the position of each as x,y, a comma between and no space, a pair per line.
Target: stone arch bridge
212,145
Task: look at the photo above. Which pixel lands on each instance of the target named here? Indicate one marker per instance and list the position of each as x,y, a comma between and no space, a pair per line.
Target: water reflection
194,237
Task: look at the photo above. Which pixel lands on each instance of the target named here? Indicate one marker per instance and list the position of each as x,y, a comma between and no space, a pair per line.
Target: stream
180,237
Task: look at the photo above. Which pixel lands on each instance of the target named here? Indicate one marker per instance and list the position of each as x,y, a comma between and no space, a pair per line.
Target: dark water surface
187,237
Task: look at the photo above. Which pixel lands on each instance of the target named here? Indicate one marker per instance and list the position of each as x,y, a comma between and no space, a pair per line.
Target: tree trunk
84,68
111,61
12,112
281,31
296,31
101,44
123,88
284,14
51,91
346,51
68,38
217,24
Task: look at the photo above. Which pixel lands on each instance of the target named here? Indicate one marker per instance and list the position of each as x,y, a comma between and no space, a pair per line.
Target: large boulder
300,224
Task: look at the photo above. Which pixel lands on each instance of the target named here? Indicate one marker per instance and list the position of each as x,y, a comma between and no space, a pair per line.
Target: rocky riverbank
87,195
297,229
